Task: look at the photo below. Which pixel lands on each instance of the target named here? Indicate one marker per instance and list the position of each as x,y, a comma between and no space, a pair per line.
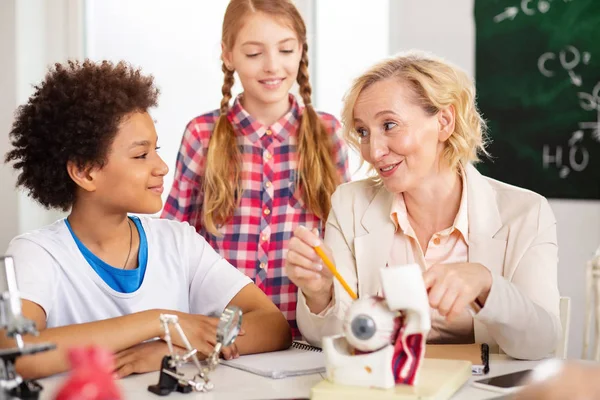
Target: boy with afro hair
85,142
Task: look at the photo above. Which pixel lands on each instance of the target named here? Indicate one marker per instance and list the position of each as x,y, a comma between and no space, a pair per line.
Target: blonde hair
436,84
317,174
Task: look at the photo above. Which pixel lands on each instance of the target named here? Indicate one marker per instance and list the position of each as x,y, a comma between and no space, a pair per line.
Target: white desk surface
234,384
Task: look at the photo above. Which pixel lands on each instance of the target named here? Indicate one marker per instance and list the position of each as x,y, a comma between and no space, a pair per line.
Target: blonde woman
478,241
250,172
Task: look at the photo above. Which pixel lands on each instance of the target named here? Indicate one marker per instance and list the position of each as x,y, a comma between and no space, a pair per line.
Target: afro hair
73,116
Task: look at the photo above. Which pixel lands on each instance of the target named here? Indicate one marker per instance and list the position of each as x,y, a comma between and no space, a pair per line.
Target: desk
233,384
499,365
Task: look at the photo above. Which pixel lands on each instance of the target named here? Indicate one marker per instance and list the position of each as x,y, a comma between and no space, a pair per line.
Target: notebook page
281,364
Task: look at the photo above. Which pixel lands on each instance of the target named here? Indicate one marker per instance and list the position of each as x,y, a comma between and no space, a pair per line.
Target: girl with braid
249,173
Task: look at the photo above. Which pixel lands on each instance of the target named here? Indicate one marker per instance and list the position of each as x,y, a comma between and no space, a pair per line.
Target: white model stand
404,291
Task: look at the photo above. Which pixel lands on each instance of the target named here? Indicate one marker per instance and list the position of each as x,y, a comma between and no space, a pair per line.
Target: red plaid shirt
271,207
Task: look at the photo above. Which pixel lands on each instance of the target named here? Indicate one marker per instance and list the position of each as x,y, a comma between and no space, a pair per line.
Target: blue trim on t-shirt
121,280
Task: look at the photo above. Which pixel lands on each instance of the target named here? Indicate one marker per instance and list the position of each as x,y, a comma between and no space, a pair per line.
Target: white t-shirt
183,273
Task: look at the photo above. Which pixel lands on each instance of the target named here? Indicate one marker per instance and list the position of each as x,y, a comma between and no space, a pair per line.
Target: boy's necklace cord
130,241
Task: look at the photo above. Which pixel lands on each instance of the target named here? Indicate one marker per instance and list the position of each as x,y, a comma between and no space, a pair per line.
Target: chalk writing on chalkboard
527,7
577,157
538,80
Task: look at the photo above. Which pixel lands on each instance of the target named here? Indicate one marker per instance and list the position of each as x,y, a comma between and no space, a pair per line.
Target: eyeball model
369,324
383,340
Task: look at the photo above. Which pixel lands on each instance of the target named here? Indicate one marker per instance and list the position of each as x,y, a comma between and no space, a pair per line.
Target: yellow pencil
334,271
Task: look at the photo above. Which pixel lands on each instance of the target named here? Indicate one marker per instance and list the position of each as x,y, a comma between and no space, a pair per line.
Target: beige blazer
512,231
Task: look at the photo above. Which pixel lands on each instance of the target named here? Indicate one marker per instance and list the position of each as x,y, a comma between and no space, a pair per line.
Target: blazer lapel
487,236
487,239
487,251
373,248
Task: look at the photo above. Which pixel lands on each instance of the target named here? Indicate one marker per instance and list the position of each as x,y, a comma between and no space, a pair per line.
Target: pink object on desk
91,376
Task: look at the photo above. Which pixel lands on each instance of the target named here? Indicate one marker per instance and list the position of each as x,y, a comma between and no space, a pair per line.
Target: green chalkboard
538,83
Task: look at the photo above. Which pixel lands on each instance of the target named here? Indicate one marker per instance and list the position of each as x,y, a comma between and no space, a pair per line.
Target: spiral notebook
300,359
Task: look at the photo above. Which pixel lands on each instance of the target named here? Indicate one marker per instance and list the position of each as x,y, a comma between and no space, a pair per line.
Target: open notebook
300,359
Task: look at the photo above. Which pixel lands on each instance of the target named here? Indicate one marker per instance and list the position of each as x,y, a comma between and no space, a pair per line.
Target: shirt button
263,265
268,184
265,237
267,211
436,241
269,132
268,155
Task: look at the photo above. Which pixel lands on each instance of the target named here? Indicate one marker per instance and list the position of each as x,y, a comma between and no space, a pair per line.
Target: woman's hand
453,287
144,357
304,267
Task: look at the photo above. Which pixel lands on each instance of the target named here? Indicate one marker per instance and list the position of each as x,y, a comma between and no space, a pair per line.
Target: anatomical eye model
384,337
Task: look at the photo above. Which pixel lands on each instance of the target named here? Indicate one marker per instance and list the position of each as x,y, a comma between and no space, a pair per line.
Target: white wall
350,38
447,29
8,101
578,237
34,33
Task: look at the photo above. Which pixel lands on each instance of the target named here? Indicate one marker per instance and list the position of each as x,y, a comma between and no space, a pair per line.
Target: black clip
485,357
166,382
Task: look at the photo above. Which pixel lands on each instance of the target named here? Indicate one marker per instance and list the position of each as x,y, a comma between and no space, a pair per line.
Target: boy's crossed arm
264,329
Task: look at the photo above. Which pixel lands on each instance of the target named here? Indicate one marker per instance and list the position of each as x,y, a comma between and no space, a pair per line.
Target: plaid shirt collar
247,125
